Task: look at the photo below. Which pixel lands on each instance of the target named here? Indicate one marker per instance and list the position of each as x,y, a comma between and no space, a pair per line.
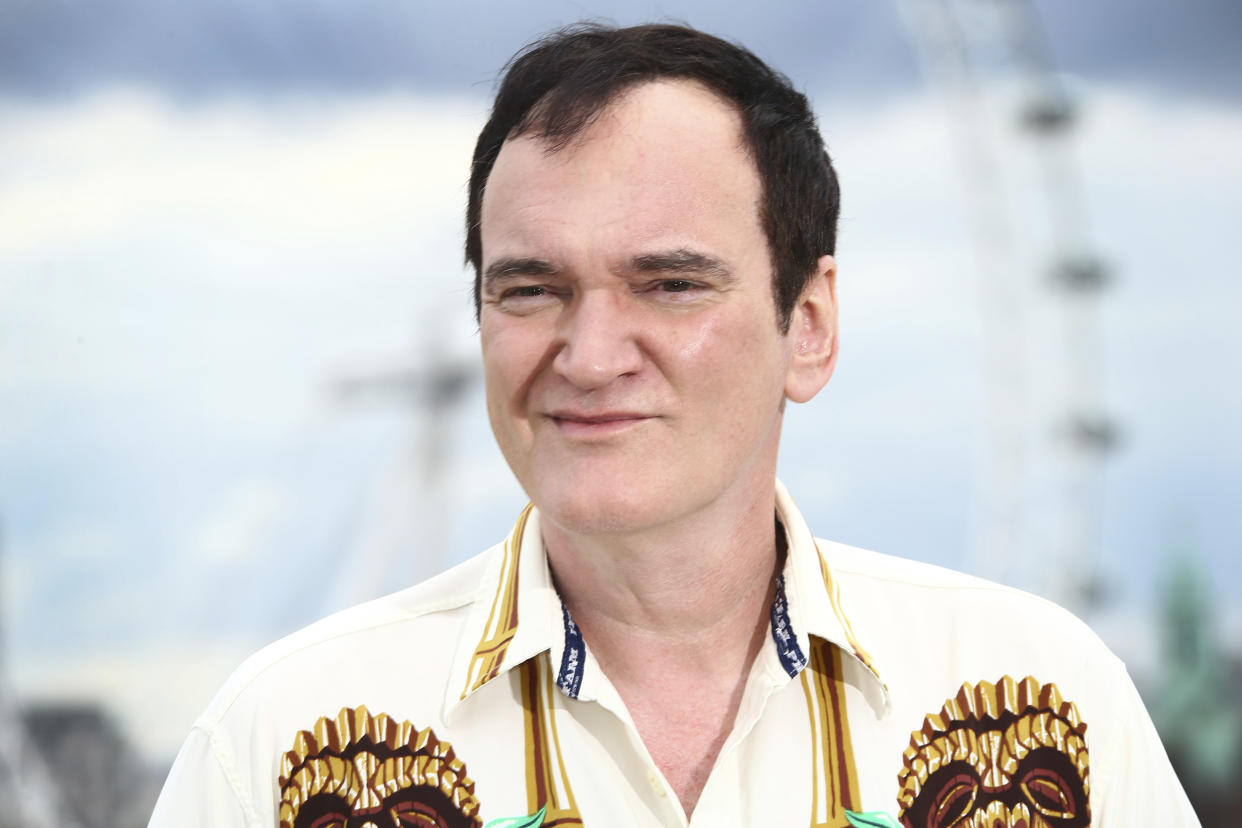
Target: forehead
666,159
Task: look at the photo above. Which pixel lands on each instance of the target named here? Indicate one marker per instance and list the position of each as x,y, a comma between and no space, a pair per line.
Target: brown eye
524,292
1048,793
954,802
330,821
415,815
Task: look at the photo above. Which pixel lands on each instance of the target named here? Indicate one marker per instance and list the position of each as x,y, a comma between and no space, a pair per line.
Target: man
661,640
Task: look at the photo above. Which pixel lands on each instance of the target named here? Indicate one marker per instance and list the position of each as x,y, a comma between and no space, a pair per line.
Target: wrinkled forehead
669,151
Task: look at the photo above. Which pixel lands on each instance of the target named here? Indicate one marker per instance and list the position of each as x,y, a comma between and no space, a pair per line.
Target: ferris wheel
1039,488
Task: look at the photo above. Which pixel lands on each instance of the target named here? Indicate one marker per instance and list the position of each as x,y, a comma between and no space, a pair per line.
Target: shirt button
656,785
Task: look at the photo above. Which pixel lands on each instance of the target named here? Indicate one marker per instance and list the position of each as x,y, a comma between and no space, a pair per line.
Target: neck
706,580
675,618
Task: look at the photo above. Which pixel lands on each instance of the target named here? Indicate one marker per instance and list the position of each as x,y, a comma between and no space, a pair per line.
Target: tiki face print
362,771
1009,754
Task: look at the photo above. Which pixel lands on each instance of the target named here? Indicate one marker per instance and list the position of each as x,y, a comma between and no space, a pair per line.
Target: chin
607,509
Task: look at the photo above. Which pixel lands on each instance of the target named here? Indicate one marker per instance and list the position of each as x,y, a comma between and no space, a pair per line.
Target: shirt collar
815,604
517,613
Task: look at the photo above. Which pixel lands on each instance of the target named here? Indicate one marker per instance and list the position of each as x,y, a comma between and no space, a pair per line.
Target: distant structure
1198,708
1040,486
101,782
403,536
29,795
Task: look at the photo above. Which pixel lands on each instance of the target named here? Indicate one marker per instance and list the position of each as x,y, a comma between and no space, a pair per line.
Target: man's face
635,370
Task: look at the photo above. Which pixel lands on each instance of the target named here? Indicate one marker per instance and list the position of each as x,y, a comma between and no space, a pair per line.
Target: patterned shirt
892,693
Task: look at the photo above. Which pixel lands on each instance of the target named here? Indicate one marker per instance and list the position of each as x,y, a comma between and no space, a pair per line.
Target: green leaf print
871,819
532,821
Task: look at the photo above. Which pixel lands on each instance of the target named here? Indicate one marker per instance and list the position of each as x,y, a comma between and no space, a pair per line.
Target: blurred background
238,365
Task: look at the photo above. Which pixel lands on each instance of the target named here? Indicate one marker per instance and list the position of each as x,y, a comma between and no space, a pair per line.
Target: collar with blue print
806,601
573,657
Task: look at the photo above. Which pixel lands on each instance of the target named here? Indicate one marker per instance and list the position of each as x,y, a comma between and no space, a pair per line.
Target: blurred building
91,769
1197,705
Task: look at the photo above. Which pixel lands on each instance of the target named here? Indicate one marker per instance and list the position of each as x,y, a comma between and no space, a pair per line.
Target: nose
597,339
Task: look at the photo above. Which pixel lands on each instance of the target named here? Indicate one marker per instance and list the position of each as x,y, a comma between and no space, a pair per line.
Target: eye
409,811
330,821
1048,793
955,800
524,299
672,291
525,291
1053,787
413,817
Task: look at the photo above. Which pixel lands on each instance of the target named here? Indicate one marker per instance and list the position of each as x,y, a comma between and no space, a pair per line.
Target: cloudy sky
214,216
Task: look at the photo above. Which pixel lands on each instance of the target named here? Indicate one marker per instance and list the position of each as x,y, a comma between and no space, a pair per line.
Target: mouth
579,424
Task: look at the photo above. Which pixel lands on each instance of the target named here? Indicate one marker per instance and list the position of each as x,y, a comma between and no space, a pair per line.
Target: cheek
511,359
732,352
707,339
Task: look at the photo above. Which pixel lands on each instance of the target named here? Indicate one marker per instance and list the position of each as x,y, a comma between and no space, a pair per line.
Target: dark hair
558,85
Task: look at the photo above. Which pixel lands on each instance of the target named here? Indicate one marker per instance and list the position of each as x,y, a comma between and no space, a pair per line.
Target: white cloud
290,171
146,245
53,562
242,524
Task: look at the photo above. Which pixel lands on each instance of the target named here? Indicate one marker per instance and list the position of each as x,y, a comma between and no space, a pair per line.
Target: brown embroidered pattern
1009,754
359,769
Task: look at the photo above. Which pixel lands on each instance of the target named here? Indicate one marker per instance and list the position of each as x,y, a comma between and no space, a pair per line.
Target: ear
813,334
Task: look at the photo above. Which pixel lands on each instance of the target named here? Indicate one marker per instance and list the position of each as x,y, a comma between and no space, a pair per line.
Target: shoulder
383,664
866,565
931,626
956,648
421,623
878,575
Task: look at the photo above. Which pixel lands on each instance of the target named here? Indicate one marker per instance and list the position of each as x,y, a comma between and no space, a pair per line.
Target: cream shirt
891,690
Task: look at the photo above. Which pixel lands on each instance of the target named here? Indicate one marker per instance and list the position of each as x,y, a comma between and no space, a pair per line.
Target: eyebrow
502,269
682,260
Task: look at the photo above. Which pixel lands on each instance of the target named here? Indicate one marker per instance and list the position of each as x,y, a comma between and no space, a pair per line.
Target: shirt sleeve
202,790
1137,785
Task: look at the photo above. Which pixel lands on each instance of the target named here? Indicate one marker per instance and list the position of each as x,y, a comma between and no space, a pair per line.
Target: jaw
643,484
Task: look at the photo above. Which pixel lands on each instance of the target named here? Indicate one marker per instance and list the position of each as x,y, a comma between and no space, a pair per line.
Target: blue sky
212,214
